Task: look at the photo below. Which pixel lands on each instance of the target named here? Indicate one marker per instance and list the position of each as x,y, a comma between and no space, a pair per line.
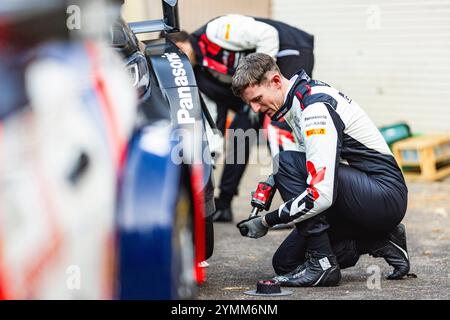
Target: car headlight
138,69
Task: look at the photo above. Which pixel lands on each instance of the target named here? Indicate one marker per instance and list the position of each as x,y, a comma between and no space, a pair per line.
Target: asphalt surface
239,262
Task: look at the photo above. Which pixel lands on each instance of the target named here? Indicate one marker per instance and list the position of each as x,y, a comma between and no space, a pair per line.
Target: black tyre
184,285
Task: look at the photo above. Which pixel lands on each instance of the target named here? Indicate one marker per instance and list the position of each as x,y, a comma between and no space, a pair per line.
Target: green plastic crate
395,132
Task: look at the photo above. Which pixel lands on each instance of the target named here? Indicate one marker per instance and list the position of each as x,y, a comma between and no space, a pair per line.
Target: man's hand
253,227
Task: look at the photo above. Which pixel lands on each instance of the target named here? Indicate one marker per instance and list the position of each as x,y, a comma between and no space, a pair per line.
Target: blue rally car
166,201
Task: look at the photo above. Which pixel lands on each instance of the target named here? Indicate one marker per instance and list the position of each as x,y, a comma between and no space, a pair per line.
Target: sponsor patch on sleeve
312,132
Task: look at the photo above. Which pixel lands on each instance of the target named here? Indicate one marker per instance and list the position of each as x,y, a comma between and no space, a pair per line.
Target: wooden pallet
425,157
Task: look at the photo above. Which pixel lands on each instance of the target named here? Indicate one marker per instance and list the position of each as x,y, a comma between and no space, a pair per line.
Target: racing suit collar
300,77
291,84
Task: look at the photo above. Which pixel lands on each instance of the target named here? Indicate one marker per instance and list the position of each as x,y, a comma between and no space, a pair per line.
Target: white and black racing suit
345,174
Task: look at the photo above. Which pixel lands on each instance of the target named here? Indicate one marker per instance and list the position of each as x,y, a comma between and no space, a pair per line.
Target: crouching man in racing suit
344,189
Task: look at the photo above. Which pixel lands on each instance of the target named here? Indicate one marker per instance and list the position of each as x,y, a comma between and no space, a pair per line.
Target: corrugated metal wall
393,57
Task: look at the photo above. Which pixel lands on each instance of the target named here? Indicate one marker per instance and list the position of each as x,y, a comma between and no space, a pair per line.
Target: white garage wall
392,57
194,13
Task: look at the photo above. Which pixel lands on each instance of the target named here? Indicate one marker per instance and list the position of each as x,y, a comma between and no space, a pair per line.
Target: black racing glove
252,227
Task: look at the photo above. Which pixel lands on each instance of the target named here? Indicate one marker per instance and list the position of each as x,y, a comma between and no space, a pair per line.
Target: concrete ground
239,262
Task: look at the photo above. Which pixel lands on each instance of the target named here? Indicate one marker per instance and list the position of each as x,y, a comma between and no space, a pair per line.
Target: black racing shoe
223,215
318,270
395,252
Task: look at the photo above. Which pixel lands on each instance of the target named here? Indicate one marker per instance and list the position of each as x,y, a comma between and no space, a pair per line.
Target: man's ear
276,79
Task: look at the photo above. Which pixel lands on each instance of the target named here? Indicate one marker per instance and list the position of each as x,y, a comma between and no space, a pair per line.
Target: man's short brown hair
181,36
252,70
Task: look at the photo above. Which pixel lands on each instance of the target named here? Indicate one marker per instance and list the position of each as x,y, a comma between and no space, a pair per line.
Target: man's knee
289,162
289,166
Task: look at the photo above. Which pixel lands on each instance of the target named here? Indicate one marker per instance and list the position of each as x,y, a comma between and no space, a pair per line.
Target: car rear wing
169,23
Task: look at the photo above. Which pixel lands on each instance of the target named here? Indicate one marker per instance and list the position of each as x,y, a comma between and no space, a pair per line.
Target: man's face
266,97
